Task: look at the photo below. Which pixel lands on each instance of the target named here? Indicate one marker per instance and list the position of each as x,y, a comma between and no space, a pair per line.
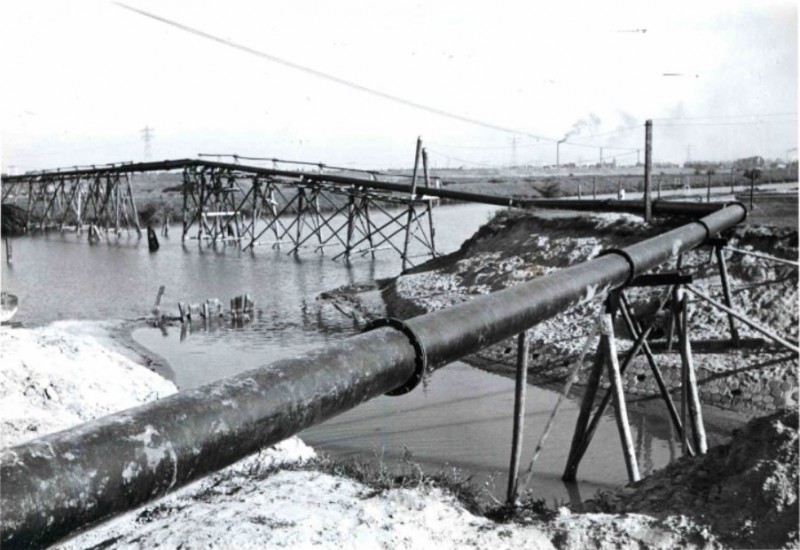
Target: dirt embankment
745,491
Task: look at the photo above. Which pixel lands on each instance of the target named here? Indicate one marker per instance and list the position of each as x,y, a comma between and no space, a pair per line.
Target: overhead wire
348,83
726,117
476,163
332,78
740,123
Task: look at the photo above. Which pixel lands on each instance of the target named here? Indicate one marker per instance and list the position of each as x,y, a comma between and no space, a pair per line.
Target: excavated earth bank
745,491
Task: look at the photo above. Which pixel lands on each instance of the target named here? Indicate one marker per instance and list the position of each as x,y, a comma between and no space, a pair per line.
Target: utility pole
147,137
648,169
514,151
558,152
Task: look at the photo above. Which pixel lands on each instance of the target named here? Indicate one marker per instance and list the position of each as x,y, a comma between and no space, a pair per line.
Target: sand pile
64,374
746,491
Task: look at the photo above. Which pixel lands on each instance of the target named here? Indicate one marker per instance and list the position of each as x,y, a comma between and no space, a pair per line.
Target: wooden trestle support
688,422
676,300
102,200
225,206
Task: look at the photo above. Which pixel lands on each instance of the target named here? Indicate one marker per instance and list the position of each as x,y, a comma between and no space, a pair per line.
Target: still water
462,418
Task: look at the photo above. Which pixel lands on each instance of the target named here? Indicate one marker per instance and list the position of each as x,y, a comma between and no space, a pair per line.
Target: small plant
525,510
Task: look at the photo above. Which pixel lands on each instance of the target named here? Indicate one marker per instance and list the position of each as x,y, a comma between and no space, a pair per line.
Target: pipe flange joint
742,205
705,226
421,362
628,258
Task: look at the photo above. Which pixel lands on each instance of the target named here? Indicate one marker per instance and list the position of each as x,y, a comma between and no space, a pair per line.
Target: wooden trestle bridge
310,206
246,205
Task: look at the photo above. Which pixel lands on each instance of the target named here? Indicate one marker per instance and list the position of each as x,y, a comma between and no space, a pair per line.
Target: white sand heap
65,374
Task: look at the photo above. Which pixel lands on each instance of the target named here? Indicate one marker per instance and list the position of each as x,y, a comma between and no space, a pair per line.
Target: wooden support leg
350,223
577,453
673,317
635,331
369,227
612,363
9,252
431,228
407,238
726,291
574,458
689,381
519,416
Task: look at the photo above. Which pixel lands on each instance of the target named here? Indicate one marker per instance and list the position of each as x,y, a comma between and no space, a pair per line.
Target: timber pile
14,219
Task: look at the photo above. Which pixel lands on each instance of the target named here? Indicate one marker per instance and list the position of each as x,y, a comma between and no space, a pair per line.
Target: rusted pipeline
660,208
57,484
465,328
632,206
54,485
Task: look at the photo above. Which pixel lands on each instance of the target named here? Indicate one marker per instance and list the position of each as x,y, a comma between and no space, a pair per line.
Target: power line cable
726,117
483,164
330,77
496,147
740,123
617,131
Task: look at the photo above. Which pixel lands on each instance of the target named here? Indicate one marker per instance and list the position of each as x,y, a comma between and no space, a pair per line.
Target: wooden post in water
519,416
618,395
182,312
351,212
578,438
157,305
635,330
8,251
152,239
689,381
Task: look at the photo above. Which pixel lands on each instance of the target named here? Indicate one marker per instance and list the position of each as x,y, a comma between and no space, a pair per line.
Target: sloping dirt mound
746,491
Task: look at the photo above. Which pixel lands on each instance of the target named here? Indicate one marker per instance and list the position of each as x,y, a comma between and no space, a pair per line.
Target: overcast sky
82,79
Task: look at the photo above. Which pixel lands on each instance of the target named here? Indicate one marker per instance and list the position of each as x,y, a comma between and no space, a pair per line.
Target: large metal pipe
57,484
664,208
660,207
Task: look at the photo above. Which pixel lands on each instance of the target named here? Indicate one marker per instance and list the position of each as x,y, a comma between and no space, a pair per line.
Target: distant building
702,165
749,163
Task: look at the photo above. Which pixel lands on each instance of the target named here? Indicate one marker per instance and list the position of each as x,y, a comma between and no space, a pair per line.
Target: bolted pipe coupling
421,363
628,258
